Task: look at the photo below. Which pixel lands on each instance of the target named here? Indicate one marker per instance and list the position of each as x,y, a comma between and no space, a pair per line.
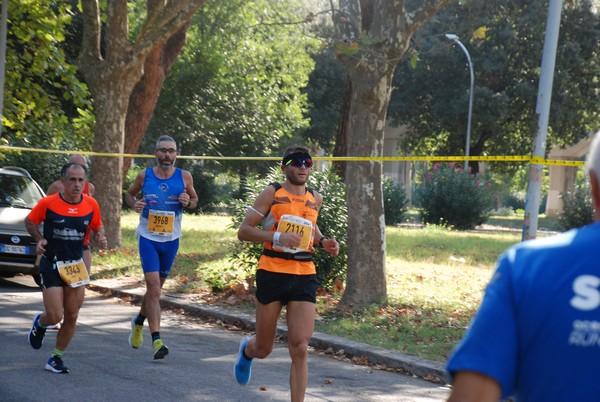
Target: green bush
394,202
450,196
514,200
43,167
204,184
332,221
503,211
578,209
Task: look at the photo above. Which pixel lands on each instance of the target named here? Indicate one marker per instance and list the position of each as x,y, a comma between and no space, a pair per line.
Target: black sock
140,319
155,336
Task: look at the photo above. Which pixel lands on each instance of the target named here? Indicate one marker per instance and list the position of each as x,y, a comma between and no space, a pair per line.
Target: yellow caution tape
534,160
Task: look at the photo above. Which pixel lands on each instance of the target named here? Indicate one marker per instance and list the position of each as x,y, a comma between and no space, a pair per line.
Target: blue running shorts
157,256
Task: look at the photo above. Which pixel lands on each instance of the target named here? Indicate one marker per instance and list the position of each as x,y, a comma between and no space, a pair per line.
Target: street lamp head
454,38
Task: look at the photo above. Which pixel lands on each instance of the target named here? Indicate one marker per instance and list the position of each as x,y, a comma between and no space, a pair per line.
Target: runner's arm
188,180
248,230
100,238
330,245
133,191
34,231
471,386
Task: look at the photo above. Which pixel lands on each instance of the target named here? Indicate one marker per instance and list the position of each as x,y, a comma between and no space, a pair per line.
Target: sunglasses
299,162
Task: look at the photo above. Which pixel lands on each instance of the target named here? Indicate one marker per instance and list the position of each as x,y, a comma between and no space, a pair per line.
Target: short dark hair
67,166
165,138
295,149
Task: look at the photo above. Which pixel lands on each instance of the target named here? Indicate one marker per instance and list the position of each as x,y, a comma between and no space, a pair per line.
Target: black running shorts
49,276
284,288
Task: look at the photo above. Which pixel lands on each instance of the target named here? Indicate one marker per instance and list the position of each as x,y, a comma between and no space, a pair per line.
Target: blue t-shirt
537,331
161,218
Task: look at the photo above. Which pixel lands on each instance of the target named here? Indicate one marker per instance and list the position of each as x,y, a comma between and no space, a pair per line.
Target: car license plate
10,248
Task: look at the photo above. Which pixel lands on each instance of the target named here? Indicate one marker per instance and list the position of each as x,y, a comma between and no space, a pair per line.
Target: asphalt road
198,368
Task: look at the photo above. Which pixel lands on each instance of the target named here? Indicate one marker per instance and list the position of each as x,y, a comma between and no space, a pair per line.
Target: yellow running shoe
160,350
136,335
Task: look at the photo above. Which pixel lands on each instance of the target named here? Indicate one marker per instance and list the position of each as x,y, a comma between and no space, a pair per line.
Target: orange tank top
299,214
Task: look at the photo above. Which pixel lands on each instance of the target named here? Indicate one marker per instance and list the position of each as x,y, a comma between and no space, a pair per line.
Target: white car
19,193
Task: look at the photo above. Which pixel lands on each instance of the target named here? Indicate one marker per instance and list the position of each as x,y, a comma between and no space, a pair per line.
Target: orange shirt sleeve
38,213
96,220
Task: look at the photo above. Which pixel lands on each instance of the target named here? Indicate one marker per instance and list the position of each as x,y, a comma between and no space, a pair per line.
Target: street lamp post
3,27
454,38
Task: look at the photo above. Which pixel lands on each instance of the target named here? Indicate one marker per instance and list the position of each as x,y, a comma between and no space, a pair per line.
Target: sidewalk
427,369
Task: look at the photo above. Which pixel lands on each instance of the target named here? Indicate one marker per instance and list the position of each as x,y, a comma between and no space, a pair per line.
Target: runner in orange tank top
286,274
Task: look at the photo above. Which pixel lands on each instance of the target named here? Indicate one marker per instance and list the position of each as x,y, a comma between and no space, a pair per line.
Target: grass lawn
435,280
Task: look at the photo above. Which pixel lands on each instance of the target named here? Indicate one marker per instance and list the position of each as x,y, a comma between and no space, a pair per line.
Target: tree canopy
325,91
46,105
45,102
236,89
504,40
112,60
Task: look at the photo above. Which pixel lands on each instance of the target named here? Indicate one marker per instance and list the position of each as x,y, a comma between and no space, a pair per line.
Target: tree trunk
341,136
111,72
110,111
371,37
366,279
146,93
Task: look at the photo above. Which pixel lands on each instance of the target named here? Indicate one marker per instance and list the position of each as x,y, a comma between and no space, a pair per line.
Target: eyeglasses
167,150
299,162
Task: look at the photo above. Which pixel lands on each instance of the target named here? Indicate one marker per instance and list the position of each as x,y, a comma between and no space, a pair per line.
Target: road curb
427,369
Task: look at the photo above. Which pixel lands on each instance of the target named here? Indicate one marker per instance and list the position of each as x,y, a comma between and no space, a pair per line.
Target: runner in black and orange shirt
88,189
66,216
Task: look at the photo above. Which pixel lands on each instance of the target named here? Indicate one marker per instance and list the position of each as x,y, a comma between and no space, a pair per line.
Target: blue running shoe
36,334
56,365
243,367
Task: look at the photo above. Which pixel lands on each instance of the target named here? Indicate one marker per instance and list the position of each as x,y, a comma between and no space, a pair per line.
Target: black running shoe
56,365
36,334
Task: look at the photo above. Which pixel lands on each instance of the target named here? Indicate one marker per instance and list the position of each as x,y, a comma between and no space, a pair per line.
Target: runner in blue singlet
165,192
